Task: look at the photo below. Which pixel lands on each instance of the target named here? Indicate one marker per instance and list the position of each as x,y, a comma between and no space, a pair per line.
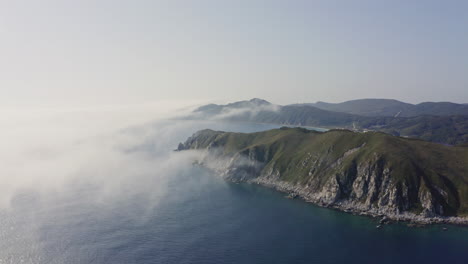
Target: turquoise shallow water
200,218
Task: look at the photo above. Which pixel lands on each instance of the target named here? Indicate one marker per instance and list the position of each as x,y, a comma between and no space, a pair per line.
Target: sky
114,52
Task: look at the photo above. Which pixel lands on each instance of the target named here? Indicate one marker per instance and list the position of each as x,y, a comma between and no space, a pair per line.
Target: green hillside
370,172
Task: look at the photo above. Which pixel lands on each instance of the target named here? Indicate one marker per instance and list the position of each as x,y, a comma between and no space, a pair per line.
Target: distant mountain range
372,173
394,108
445,123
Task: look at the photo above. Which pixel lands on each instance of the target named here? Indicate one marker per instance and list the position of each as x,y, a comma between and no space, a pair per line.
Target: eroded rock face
430,206
330,192
370,188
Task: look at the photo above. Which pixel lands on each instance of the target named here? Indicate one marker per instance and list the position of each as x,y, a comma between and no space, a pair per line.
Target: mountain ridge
392,107
451,130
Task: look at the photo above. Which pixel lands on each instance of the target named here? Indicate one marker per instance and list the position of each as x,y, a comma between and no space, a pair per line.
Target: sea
174,212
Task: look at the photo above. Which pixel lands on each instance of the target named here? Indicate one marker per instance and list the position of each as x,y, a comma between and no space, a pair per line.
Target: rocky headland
373,173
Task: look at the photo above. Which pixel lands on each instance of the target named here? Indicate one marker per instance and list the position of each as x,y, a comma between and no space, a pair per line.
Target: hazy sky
130,52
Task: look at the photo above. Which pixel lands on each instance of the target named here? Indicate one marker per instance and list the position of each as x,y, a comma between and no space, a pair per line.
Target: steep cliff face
370,173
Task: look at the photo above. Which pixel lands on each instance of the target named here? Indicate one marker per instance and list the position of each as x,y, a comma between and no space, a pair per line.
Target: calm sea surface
196,217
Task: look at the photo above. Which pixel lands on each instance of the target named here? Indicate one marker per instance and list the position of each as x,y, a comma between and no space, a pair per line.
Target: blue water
200,218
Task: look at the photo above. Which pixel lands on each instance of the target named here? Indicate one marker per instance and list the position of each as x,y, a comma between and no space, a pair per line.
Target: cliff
369,173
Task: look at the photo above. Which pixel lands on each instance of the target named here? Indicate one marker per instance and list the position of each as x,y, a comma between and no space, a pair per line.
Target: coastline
368,186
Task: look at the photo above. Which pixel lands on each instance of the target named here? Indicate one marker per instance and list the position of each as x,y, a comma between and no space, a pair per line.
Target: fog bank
45,150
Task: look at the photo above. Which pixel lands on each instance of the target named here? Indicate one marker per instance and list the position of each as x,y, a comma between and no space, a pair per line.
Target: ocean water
190,215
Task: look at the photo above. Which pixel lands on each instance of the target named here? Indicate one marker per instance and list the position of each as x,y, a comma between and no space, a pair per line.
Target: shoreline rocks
412,219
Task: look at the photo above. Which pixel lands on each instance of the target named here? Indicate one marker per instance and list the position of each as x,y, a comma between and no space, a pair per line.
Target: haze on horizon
81,53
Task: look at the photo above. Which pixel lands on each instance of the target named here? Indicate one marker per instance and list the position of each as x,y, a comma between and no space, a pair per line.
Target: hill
372,173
